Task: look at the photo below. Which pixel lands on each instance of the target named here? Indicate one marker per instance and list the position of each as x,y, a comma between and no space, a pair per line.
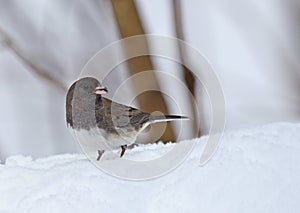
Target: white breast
97,139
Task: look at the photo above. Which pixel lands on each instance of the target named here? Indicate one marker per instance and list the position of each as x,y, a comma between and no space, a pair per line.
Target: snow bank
255,170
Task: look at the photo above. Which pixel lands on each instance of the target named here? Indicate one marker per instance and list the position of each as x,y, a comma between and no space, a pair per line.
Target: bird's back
114,115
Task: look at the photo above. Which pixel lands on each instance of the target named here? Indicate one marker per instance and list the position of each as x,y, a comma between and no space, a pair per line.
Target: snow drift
255,170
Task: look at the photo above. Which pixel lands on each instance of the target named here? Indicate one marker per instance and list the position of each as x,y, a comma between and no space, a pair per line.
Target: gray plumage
86,110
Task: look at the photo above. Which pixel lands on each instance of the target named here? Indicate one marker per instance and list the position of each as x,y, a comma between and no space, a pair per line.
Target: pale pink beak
101,90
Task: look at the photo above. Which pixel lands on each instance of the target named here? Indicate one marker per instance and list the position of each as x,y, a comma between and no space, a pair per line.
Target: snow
254,170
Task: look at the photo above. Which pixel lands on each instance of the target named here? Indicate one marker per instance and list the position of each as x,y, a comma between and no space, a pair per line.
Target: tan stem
129,24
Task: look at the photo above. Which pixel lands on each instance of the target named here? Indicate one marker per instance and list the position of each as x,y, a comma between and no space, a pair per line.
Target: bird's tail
165,118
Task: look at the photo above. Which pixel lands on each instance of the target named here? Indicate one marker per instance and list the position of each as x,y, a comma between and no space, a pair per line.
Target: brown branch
129,24
45,75
189,77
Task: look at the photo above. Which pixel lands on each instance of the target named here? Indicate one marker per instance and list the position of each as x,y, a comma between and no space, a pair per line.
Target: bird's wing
124,116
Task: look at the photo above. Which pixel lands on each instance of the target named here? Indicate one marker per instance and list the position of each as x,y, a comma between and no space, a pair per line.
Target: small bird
102,124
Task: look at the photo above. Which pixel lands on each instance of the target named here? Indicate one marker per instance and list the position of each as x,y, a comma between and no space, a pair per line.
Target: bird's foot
100,153
123,150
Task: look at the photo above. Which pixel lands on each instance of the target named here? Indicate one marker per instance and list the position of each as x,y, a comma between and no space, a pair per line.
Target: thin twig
189,77
33,67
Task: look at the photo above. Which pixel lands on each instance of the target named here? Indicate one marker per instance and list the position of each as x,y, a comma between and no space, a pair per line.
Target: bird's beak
101,90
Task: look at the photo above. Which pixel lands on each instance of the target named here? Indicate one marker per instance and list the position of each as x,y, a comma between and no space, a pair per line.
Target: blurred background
253,46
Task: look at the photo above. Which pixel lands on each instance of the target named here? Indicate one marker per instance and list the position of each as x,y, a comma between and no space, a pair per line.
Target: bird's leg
100,153
123,150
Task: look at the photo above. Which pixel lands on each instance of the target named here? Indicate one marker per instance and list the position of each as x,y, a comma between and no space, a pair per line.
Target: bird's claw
100,153
123,150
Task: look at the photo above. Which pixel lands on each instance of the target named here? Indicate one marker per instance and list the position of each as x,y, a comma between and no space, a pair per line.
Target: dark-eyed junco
102,124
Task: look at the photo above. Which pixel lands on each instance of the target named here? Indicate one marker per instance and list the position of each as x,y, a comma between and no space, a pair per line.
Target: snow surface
254,170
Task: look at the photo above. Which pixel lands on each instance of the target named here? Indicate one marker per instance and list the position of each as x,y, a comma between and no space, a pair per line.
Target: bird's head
88,86
84,96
